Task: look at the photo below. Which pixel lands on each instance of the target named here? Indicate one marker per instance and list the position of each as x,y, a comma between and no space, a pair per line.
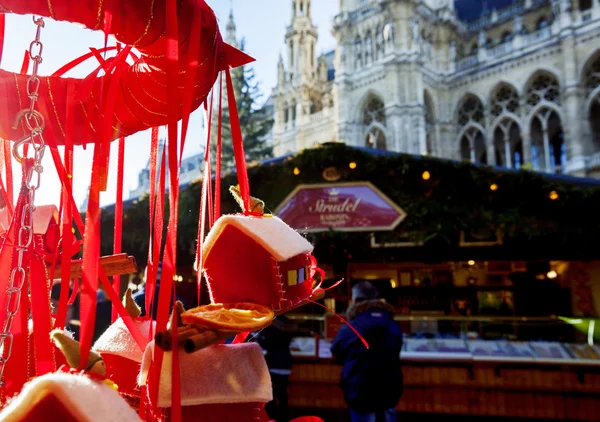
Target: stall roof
560,178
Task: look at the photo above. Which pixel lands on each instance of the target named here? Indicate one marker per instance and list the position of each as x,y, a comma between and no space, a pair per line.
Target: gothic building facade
512,83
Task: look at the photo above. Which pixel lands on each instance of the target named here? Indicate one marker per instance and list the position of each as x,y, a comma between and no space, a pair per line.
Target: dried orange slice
234,317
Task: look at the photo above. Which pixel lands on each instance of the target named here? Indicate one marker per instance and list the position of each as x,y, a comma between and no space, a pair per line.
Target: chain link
35,123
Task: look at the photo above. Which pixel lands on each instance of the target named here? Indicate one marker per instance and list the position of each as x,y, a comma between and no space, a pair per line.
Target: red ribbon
118,232
219,152
238,146
2,24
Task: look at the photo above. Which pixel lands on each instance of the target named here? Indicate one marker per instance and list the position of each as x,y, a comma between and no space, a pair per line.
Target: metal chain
34,122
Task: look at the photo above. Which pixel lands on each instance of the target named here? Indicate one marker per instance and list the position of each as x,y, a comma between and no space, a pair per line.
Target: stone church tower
509,83
302,92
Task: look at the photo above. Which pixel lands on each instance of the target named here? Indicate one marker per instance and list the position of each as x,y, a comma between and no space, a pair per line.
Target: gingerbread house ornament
70,394
257,259
67,397
122,354
222,382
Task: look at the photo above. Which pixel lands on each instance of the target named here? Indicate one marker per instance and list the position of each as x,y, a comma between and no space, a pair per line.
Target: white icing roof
117,340
218,374
87,400
270,232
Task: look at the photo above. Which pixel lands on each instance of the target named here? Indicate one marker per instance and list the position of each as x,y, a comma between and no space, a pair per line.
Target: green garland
456,197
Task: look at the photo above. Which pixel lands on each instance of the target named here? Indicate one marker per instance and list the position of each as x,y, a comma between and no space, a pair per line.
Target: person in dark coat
275,342
371,378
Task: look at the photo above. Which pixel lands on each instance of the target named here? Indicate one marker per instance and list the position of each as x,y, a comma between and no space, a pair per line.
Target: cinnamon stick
205,339
112,265
164,339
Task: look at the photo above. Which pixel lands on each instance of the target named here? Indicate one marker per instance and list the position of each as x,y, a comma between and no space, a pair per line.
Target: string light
426,175
493,187
352,165
296,171
553,195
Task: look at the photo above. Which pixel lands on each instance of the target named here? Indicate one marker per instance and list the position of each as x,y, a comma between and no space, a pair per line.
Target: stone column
490,153
393,120
507,151
547,163
574,114
526,140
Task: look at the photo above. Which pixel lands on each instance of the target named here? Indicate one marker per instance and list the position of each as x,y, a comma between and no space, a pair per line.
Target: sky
261,22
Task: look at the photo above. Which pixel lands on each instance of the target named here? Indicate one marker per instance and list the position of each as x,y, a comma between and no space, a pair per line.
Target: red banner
347,207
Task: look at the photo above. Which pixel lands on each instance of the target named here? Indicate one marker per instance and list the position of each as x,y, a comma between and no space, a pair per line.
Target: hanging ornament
70,394
132,88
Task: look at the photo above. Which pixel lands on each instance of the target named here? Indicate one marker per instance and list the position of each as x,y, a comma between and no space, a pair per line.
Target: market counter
455,384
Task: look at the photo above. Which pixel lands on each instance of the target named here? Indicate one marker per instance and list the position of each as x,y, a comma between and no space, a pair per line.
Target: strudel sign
357,206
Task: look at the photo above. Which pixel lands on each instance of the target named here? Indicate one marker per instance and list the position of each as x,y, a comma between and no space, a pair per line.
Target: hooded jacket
371,378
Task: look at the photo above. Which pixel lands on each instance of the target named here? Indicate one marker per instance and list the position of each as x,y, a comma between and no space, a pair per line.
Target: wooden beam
112,264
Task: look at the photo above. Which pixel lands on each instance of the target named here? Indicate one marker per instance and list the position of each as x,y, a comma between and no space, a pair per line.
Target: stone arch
501,83
548,70
373,120
364,100
542,87
587,61
458,101
590,79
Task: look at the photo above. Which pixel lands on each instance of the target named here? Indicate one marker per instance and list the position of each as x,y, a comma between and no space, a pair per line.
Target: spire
231,28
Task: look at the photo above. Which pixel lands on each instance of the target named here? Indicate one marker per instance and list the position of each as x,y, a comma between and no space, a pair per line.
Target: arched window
591,75
591,81
543,87
505,99
374,124
541,23
470,115
368,48
293,111
286,112
374,112
375,138
507,37
472,146
470,110
585,4
548,151
358,53
508,145
316,105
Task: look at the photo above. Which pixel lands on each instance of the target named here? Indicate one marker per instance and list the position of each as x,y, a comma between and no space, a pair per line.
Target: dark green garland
457,197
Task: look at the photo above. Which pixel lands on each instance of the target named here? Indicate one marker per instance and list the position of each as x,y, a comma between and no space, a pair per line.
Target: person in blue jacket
371,378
